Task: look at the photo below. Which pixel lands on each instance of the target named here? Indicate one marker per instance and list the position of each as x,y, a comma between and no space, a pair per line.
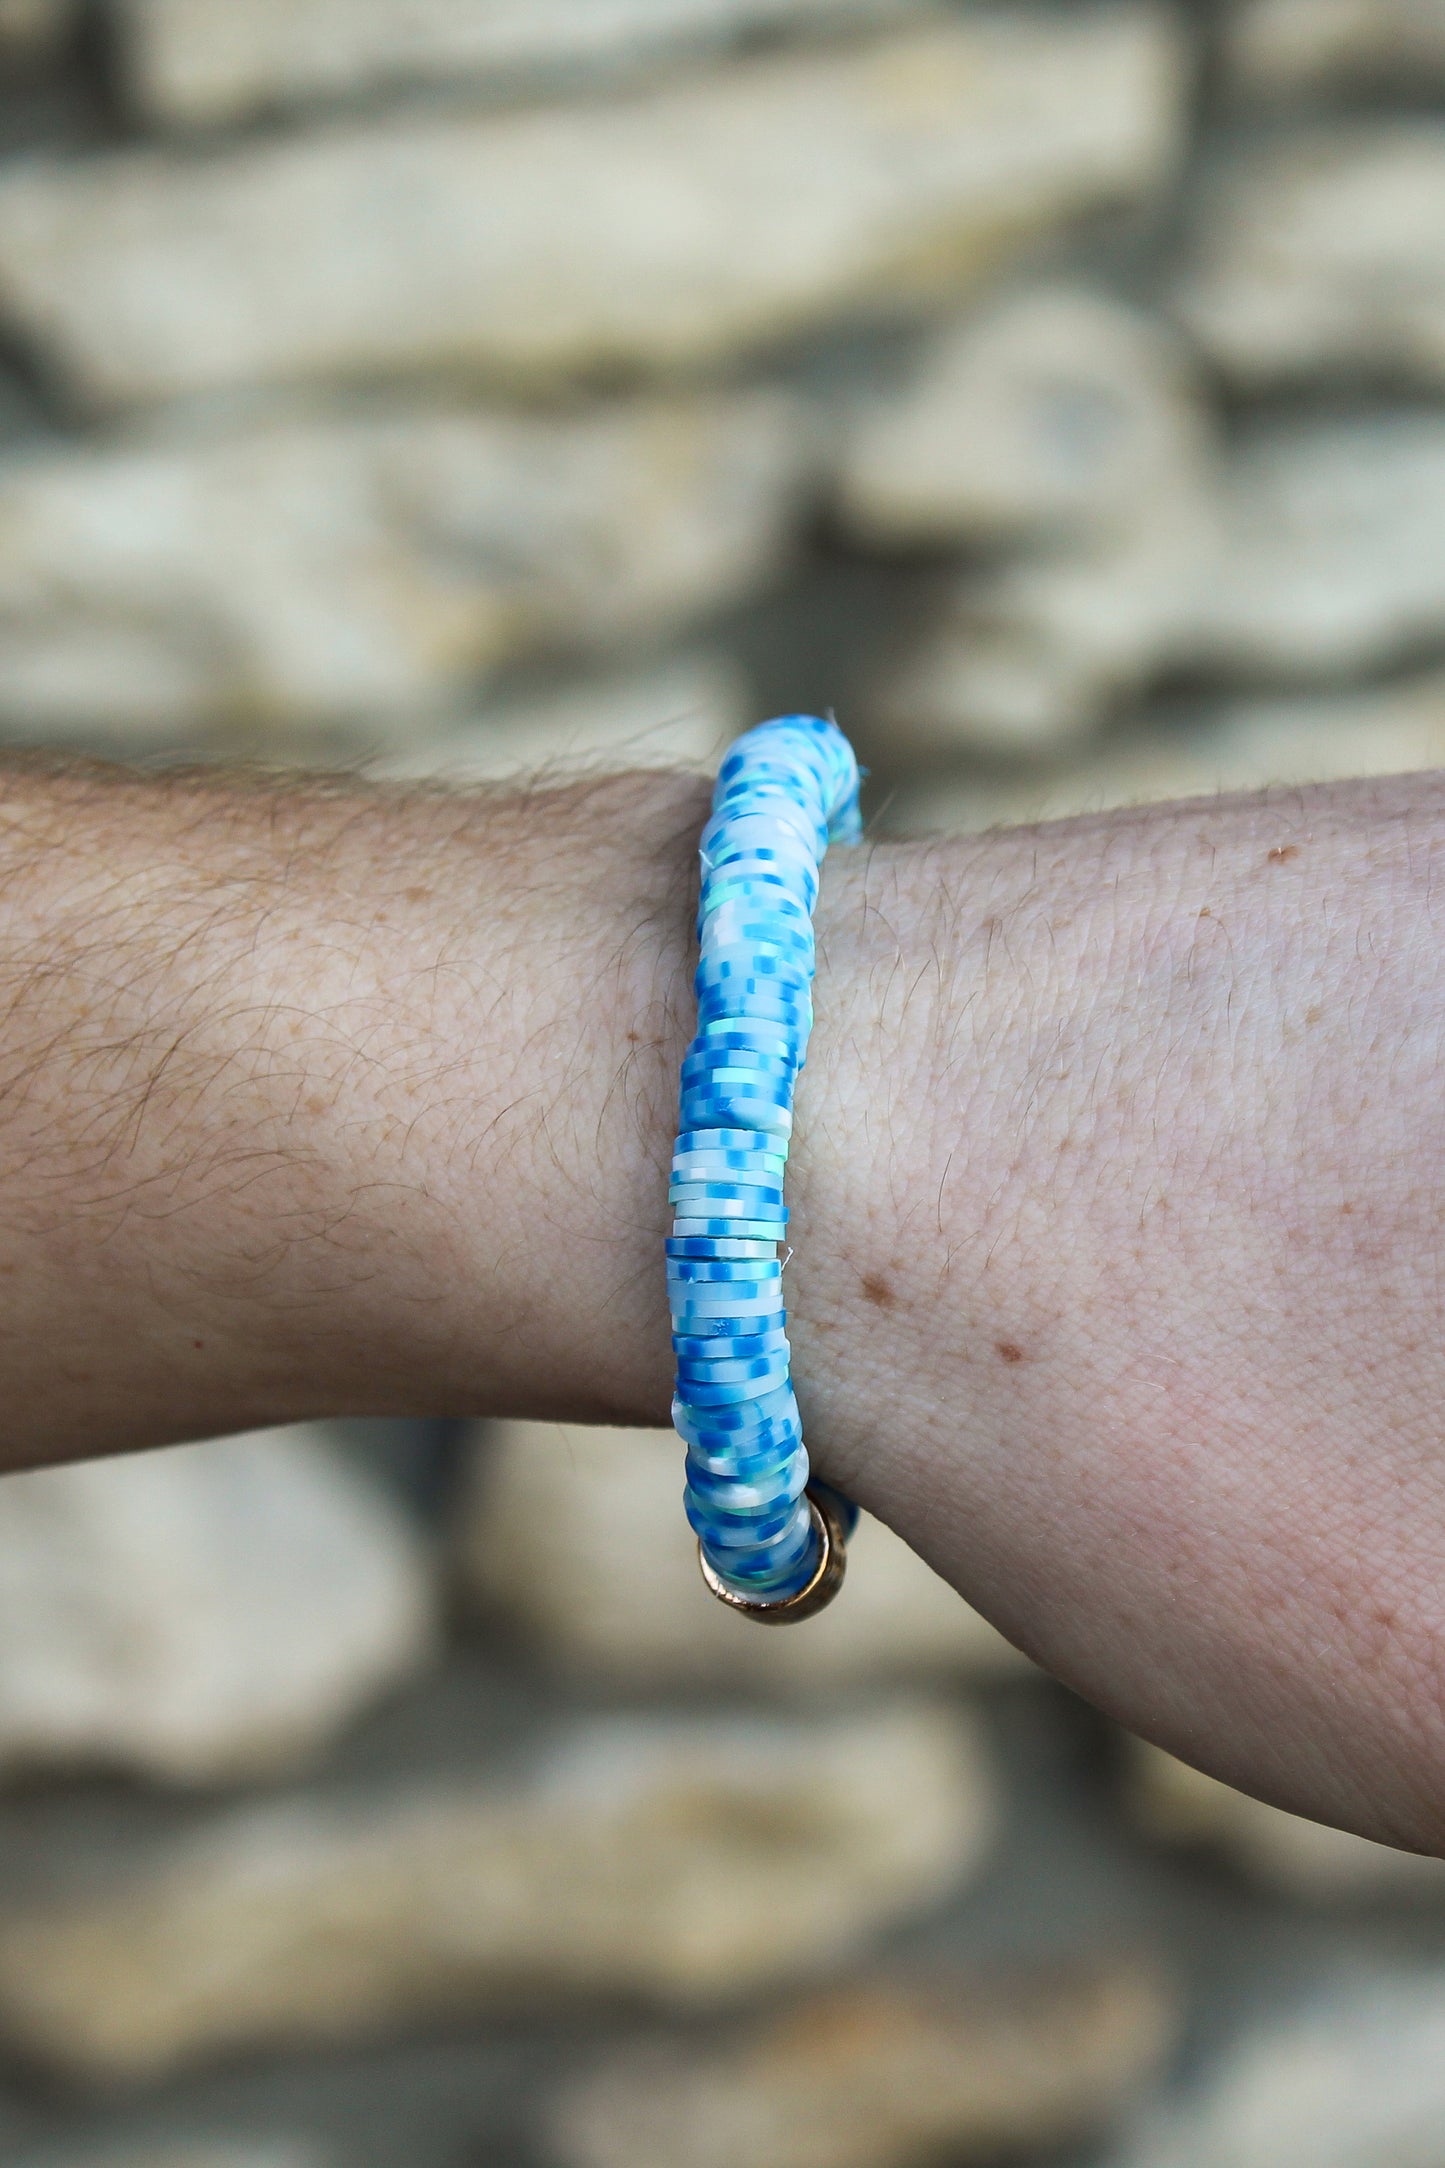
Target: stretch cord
784,791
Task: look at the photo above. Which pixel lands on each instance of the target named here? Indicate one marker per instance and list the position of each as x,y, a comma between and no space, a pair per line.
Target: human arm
1117,1283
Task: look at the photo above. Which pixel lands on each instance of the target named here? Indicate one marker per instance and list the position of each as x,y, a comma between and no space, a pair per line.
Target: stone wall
470,386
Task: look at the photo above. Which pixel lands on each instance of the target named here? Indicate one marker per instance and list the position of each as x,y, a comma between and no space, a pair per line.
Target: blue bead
721,1140
725,1328
748,969
755,1007
779,1461
720,1069
729,1167
773,950
768,1114
706,1056
724,1368
726,1299
751,998
739,1494
751,1197
732,1248
773,1569
732,1032
733,1099
780,1458
743,1531
732,1439
731,1392
730,1230
768,1417
711,1347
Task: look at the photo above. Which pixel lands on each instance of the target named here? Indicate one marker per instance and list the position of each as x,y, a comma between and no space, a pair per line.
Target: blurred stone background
462,386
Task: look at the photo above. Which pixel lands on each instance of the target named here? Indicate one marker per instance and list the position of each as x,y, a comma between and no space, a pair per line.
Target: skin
1118,1272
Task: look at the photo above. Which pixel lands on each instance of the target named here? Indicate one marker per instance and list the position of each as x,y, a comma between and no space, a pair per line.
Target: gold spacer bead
820,1591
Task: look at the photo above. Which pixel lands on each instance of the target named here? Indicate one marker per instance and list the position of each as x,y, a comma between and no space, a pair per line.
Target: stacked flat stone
784,792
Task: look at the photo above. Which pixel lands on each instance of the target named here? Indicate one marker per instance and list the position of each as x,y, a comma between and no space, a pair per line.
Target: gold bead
820,1591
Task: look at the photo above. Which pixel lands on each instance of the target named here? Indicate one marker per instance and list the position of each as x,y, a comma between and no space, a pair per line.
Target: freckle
1313,1013
1282,853
1347,1209
315,1106
634,1038
198,1344
418,895
877,1291
1009,1351
1206,912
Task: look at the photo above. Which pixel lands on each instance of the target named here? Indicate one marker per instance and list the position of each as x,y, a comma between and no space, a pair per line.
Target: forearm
1116,1283
333,1099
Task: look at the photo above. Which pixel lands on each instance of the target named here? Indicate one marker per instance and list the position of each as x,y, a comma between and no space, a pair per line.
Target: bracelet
770,1543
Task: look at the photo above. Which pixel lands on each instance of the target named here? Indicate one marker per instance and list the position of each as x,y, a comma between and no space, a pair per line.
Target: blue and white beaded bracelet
770,1543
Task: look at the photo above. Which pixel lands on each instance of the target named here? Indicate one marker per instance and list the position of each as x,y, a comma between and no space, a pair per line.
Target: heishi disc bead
731,1532
770,1116
729,1074
705,1058
711,1298
769,1414
727,1312
734,1335
732,1435
736,1497
732,1249
721,1140
755,1466
713,1366
731,1188
722,1347
751,967
719,1230
689,1316
763,1105
728,1200
729,1033
772,1566
728,1166
737,1004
